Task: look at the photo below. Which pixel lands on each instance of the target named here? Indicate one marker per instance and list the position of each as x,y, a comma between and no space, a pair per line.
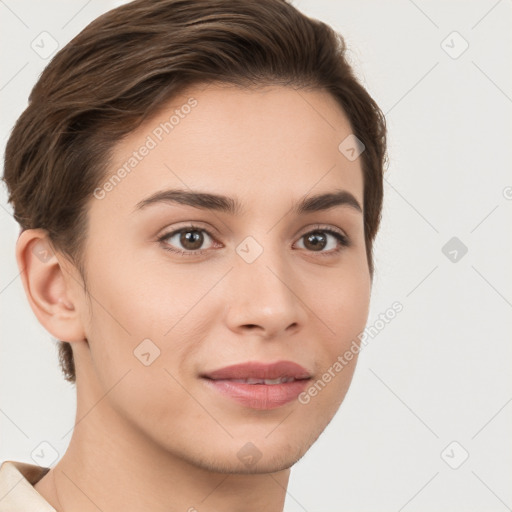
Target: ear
51,291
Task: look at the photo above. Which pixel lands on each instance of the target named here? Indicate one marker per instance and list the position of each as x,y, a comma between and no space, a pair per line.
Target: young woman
198,185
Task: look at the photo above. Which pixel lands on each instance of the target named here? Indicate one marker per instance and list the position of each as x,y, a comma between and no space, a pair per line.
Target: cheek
345,303
136,300
345,311
145,314
132,355
124,313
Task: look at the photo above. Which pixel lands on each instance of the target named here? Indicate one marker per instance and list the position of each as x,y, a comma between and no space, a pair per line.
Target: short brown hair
127,63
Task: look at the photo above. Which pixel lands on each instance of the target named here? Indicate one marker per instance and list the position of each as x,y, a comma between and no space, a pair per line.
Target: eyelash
342,239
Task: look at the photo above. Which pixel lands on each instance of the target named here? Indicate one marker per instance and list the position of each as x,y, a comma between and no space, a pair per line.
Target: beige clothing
17,493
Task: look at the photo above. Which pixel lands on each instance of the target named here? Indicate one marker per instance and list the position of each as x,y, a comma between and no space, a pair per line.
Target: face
183,286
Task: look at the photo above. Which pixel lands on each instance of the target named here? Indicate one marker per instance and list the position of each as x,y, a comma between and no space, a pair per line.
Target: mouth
259,385
259,371
267,382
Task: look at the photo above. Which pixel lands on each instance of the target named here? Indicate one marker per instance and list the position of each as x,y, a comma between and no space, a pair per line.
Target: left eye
318,240
192,239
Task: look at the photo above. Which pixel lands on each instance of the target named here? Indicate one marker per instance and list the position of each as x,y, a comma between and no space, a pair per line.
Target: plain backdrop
426,423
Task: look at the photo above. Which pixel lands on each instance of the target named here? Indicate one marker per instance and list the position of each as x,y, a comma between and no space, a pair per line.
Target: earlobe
47,286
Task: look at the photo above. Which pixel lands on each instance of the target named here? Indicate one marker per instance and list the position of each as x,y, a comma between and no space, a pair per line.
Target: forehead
260,144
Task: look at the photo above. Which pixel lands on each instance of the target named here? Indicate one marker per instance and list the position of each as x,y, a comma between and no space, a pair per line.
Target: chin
258,454
267,463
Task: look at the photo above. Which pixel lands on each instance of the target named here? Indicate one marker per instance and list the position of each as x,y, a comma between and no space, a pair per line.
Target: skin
155,437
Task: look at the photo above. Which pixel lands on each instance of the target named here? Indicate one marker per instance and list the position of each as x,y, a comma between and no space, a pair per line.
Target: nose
264,295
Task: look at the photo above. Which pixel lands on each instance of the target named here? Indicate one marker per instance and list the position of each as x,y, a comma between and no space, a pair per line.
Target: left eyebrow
232,206
327,201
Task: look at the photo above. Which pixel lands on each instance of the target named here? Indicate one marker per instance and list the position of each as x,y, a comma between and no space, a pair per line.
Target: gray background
436,376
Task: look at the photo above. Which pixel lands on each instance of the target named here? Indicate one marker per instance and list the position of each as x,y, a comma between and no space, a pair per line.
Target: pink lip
257,370
259,396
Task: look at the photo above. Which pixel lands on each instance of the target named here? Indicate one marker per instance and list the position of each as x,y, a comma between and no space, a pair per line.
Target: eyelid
191,224
343,239
323,227
198,225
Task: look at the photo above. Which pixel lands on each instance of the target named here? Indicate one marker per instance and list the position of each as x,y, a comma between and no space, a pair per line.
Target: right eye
190,237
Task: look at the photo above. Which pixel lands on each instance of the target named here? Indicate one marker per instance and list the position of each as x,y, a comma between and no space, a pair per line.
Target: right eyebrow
202,200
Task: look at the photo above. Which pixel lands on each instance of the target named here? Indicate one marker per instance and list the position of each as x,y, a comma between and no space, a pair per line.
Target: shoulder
17,491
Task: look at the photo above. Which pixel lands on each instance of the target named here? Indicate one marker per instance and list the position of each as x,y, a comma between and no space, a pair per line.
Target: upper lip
260,370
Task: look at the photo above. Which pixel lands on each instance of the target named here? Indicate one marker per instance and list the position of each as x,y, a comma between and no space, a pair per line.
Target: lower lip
260,396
